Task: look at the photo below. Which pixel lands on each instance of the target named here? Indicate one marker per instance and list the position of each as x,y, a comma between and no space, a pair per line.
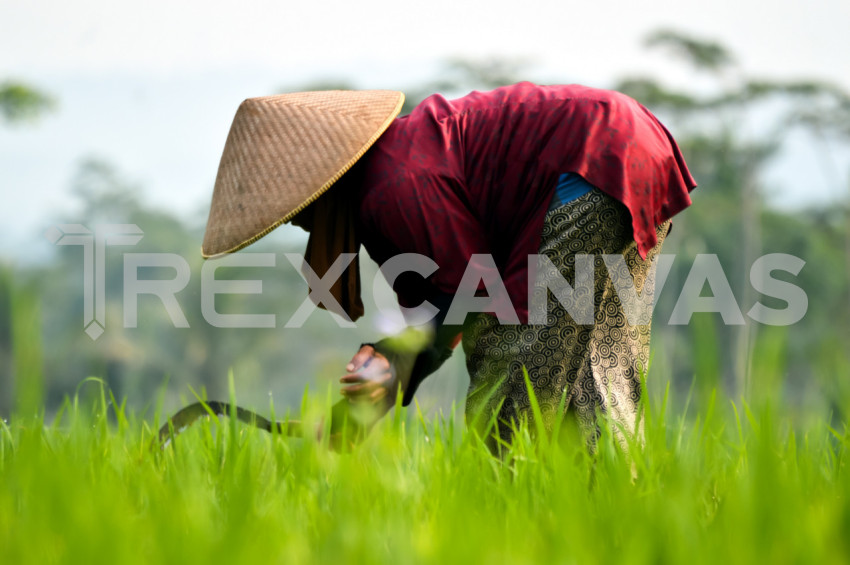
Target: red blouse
476,174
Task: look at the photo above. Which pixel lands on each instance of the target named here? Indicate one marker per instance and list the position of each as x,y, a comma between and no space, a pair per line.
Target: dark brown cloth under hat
331,223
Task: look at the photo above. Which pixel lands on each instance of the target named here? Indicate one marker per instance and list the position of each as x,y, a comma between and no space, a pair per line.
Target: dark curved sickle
188,415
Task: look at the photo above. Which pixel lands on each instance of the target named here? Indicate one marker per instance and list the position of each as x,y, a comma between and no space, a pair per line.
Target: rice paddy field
724,483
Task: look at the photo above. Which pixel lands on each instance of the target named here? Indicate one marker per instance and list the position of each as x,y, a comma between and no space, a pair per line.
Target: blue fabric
570,186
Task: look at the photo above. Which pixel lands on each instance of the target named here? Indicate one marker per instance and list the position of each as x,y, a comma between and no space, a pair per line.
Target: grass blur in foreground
728,486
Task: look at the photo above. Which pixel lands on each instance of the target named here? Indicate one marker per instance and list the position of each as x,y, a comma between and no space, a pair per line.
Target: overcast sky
152,86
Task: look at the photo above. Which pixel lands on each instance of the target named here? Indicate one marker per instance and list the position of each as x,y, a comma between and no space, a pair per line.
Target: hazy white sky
152,86
601,37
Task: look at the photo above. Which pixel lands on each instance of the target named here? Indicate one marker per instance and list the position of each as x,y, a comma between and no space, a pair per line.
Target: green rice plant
725,482
739,485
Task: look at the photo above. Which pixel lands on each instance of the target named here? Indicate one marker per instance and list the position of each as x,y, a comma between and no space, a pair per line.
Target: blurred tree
22,103
459,75
6,394
729,137
19,103
700,53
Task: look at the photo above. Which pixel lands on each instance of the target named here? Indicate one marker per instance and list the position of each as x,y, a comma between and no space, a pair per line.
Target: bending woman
466,204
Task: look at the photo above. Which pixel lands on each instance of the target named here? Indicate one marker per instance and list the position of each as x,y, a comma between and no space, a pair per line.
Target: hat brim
283,152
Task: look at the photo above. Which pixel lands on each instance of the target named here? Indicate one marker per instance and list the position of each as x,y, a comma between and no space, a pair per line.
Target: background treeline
730,127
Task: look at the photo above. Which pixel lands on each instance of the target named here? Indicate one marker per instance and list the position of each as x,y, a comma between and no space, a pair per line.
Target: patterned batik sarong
589,368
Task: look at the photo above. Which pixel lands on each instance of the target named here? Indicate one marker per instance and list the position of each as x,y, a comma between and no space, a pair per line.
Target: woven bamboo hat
283,152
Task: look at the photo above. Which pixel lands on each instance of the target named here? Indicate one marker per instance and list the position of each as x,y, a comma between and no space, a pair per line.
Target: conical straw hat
283,152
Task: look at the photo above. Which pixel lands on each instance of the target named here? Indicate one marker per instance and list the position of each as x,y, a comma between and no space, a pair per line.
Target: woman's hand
370,379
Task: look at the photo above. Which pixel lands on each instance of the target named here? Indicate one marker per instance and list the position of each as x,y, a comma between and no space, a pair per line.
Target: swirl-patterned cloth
594,367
